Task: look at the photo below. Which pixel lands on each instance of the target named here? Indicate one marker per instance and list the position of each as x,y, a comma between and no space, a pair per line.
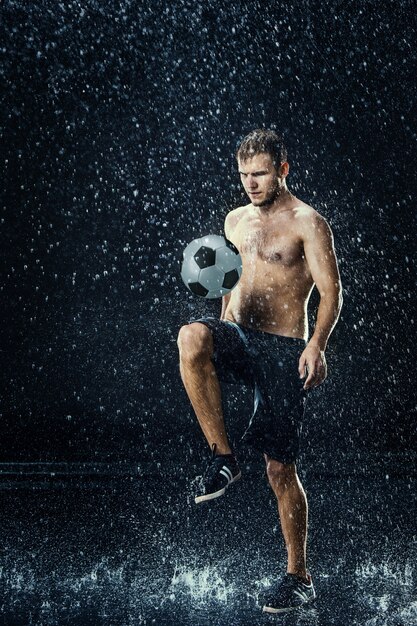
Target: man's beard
271,198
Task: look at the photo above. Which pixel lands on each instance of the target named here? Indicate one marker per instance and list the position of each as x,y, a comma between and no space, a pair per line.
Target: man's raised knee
195,341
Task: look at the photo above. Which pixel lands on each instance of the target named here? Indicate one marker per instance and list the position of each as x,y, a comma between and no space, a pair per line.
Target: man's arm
226,298
225,302
321,259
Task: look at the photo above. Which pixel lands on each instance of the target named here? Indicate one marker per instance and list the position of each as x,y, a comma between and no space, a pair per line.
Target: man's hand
313,358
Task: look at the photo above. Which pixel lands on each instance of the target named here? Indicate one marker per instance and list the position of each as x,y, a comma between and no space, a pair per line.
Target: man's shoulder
308,217
310,223
233,217
238,212
303,211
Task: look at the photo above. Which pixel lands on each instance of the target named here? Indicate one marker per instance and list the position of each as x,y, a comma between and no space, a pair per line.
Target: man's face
261,179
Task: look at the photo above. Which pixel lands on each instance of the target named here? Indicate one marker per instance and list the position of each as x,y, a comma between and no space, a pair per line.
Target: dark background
119,125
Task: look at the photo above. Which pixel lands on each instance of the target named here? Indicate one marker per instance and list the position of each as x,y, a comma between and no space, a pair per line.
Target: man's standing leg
297,587
293,512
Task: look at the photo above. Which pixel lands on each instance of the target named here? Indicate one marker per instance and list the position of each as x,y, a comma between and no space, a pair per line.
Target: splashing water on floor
400,573
202,584
388,590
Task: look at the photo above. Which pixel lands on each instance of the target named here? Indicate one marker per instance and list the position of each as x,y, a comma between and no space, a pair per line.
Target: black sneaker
289,594
222,472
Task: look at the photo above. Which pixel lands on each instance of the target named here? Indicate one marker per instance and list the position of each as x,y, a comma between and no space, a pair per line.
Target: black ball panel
198,289
231,245
230,279
204,257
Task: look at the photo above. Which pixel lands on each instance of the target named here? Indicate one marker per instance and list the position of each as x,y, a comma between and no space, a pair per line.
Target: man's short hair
262,140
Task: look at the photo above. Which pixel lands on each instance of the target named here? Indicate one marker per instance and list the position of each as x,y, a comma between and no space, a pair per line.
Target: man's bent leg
200,380
293,512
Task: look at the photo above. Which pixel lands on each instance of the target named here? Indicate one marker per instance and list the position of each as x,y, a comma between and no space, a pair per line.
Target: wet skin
286,248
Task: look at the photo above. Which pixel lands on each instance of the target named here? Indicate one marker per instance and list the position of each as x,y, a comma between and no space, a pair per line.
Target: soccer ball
211,266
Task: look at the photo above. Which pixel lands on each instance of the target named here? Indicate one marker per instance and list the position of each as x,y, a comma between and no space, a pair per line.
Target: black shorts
269,364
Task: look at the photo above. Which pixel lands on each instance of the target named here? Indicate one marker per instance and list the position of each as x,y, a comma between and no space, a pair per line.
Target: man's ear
284,168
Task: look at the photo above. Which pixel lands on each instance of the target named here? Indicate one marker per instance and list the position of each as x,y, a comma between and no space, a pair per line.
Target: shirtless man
261,339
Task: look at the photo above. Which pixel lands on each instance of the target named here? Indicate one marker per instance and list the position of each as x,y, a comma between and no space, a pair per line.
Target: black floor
136,550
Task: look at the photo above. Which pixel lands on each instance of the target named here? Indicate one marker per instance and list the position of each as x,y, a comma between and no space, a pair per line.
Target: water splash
202,584
400,573
387,589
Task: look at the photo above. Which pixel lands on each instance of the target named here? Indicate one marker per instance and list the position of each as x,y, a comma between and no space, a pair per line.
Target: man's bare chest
269,242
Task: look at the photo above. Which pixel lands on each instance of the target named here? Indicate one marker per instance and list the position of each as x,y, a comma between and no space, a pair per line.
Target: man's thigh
279,398
230,357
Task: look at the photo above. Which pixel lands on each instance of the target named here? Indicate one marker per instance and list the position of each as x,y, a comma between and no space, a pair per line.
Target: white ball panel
217,293
211,278
227,260
212,241
192,248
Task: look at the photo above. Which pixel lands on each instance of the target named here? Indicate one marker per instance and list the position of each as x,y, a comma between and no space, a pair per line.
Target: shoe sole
270,609
217,494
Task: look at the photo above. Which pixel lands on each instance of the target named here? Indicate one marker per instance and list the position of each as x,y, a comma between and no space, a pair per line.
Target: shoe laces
212,465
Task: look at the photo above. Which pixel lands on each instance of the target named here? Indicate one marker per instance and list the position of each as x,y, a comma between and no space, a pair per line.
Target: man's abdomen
282,315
